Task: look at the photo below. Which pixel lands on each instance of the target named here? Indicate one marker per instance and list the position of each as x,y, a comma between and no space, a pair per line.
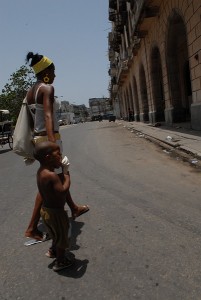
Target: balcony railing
112,15
113,4
122,71
115,88
110,37
113,70
111,54
122,5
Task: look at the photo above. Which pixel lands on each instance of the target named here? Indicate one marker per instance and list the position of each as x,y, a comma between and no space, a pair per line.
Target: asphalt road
141,238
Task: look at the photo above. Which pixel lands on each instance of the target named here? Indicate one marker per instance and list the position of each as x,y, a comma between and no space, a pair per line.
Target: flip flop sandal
85,208
62,265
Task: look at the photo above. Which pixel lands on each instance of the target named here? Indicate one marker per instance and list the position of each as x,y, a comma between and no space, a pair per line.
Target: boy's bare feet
80,210
36,234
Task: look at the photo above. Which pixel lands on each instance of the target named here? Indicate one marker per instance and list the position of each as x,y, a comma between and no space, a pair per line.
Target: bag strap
36,93
24,103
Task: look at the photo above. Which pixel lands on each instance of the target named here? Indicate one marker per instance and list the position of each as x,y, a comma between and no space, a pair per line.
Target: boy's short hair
42,149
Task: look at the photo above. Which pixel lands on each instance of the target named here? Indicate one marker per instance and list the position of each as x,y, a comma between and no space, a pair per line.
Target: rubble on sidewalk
183,143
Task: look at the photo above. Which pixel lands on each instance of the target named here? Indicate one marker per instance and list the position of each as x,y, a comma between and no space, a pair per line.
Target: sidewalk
180,138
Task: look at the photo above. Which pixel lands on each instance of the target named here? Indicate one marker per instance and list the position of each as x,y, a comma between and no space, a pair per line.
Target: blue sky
72,33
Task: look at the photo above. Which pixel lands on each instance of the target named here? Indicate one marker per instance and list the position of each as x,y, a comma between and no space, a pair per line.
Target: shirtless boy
53,189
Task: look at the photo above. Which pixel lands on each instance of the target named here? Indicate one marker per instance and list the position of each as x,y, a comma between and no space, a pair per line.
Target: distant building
80,111
65,106
100,106
72,113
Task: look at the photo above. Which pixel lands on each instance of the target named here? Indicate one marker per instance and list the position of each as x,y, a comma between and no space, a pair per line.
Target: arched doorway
124,106
144,115
121,103
157,86
178,69
127,104
136,100
132,109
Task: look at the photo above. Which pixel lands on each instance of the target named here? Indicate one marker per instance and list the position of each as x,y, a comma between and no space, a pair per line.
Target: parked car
62,122
96,118
112,118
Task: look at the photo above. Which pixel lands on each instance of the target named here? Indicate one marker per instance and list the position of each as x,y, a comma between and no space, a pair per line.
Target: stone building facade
155,60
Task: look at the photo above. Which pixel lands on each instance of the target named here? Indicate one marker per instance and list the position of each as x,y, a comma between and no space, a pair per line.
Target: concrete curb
174,148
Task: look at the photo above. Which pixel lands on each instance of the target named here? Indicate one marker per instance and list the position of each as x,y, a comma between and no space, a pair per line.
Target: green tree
15,90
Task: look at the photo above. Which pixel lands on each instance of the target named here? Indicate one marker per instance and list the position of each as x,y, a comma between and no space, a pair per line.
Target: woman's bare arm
48,100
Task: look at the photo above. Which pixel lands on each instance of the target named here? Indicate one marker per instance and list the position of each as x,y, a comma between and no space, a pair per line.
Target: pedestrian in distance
53,188
42,107
130,115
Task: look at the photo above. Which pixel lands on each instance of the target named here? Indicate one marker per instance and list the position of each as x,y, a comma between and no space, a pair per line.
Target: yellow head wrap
42,64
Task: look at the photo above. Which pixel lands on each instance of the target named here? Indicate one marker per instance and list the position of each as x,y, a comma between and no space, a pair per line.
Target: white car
62,122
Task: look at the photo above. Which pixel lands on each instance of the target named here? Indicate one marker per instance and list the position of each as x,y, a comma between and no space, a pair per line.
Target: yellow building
155,60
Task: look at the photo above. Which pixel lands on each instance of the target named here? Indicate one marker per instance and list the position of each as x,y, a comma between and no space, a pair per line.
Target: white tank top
37,111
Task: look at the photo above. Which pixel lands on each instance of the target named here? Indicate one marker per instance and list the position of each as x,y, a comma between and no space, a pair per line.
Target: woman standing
41,101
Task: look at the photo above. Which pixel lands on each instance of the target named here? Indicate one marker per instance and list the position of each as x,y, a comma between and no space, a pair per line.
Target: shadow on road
5,150
77,270
79,267
76,230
